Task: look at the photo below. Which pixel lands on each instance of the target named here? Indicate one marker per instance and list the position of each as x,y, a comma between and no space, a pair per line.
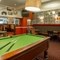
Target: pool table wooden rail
28,52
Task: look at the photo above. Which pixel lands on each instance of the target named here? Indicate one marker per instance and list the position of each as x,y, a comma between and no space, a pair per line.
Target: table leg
46,55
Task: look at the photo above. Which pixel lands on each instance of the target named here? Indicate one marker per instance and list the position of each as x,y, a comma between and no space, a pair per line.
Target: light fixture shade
33,5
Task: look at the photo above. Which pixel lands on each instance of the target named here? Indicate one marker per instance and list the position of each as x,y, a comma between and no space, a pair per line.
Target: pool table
23,47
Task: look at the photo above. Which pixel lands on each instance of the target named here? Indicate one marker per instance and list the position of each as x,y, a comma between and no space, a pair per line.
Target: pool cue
12,45
7,44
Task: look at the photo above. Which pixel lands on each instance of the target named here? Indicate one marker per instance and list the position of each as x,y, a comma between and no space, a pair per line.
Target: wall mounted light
33,5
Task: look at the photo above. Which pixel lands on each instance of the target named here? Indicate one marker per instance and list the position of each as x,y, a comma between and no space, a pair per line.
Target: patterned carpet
53,51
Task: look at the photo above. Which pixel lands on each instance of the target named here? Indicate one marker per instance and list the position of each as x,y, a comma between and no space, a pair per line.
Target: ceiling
20,4
17,2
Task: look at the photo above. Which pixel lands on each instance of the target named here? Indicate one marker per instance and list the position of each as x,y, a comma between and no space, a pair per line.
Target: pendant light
33,5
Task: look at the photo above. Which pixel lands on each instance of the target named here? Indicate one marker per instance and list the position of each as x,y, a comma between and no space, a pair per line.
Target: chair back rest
50,33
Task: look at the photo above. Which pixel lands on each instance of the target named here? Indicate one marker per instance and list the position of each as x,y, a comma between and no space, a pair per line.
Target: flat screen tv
25,13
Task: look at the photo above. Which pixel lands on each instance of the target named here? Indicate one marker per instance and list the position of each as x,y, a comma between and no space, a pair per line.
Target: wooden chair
58,36
31,30
50,34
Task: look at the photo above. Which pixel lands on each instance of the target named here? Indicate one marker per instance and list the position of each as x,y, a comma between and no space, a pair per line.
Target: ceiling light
33,5
0,0
15,4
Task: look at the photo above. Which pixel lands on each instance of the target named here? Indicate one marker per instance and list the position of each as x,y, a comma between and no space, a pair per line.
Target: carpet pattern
53,51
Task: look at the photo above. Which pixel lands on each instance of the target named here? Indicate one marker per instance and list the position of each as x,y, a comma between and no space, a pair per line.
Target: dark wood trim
46,25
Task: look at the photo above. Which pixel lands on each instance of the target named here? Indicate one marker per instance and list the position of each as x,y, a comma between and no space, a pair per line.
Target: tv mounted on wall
25,13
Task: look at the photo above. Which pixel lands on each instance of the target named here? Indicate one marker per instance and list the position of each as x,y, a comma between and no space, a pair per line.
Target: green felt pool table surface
22,41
